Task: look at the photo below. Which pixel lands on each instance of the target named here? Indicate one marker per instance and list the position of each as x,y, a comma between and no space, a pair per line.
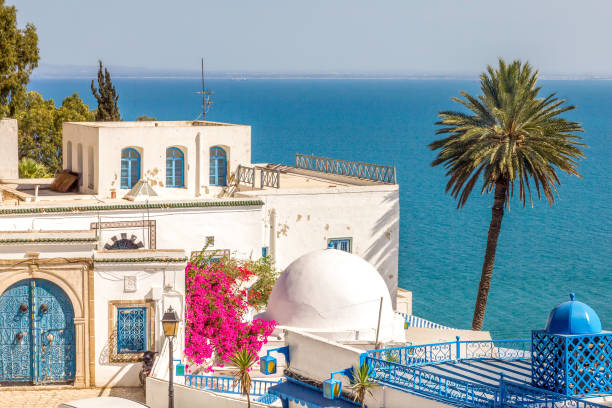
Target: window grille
175,168
131,330
343,244
218,167
130,168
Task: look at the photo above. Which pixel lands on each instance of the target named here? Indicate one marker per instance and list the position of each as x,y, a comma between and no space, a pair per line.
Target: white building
85,275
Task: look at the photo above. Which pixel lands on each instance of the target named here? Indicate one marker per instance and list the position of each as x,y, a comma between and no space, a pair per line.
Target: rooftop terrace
309,173
469,374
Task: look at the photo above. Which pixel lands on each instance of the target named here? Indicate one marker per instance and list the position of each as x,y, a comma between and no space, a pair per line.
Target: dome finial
572,296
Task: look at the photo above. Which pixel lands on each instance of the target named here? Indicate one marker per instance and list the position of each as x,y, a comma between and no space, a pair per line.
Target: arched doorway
37,341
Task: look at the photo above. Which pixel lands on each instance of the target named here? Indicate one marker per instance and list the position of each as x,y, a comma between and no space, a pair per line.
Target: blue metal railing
227,384
416,355
442,387
374,172
403,368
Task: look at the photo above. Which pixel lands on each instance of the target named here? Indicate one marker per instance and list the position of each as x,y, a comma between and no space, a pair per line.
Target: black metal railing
245,175
269,178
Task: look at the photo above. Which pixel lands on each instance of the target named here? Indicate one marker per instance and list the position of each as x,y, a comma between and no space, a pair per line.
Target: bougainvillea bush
216,306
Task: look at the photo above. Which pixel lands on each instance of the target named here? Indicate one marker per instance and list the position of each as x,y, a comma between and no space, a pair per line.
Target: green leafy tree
244,360
145,118
510,137
30,168
18,57
362,382
106,95
40,127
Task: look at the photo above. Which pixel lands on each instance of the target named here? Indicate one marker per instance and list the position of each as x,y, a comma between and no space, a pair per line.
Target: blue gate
36,334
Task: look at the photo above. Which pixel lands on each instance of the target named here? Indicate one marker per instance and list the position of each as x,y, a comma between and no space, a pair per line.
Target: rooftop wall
105,141
8,153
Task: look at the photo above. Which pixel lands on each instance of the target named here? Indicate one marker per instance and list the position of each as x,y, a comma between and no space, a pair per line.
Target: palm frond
509,134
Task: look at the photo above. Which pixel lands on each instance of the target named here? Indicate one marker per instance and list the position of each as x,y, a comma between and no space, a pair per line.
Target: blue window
264,251
218,167
131,329
343,244
175,166
130,168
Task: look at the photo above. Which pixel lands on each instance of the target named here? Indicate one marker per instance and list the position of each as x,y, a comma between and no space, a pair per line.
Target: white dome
330,290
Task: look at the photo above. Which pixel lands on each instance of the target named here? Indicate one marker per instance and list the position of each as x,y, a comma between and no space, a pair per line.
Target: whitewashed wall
317,358
236,228
186,397
167,279
8,153
305,219
151,142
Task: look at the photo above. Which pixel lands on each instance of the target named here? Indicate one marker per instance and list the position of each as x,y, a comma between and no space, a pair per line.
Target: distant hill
90,71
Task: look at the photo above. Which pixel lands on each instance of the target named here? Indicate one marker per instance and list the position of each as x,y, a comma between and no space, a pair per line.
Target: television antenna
206,96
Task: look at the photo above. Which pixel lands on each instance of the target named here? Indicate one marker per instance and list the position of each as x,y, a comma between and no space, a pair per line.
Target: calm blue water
543,254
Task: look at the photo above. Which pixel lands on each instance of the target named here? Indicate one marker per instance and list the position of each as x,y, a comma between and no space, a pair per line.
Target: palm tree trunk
248,400
501,189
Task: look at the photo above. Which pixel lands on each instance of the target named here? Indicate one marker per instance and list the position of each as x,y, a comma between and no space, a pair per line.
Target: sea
544,253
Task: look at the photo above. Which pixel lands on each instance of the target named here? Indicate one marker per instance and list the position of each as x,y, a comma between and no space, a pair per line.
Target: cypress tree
107,97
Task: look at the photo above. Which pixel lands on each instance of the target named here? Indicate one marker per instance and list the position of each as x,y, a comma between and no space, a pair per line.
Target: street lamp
170,323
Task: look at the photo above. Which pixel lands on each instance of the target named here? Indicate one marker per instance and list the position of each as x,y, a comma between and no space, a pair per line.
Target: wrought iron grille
131,329
572,365
343,244
374,172
245,175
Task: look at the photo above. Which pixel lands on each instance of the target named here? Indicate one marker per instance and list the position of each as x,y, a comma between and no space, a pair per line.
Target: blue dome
573,317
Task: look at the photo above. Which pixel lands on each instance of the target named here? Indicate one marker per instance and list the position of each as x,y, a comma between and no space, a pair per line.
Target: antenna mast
206,99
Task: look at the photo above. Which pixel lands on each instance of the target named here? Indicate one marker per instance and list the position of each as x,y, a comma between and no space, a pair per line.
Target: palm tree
362,382
244,360
510,136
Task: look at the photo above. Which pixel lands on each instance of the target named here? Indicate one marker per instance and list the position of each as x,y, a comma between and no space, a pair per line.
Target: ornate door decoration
37,343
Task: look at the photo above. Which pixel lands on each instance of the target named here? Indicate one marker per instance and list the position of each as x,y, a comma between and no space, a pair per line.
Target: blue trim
130,164
281,350
175,168
218,166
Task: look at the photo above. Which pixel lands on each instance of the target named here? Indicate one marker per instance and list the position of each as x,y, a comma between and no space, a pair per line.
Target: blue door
36,334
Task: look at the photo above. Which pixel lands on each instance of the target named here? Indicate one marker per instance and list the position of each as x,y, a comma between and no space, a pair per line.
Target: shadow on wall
383,253
122,377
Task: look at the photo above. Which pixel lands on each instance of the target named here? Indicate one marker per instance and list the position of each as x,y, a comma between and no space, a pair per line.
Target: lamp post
170,322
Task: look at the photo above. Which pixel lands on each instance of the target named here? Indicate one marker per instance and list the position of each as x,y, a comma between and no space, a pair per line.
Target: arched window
90,167
175,166
130,168
80,163
218,166
68,156
123,244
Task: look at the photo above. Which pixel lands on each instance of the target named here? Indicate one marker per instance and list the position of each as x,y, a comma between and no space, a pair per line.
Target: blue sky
430,36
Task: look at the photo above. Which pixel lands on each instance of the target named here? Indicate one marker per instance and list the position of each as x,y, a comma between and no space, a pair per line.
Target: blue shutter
218,167
175,165
130,168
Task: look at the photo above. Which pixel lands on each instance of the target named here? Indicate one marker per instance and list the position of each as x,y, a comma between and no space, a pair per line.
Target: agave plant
362,382
511,137
244,360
